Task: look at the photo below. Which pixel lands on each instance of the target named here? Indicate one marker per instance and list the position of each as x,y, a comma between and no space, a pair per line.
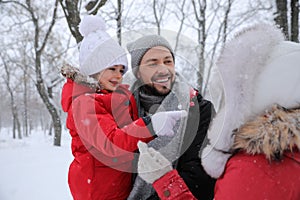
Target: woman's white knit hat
98,50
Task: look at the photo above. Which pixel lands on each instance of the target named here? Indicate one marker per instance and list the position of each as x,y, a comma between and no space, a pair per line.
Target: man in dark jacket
158,88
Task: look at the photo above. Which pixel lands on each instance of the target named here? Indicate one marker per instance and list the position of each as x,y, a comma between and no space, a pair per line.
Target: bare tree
181,16
38,69
114,13
23,64
26,129
221,32
281,17
72,9
94,5
13,104
199,12
158,11
119,21
295,20
225,21
40,40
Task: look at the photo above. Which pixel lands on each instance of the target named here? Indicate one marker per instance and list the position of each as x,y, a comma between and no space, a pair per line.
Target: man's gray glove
164,122
151,165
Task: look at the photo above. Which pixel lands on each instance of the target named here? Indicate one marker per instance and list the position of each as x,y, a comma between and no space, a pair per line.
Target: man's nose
162,69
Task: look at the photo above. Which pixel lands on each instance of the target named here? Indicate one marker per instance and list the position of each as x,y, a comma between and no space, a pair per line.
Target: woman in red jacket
248,175
254,146
102,118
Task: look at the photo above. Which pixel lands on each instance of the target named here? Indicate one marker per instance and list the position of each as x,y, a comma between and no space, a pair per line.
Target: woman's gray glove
151,165
164,122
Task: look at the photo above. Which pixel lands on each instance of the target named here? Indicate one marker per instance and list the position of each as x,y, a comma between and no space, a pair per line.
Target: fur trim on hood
75,75
271,133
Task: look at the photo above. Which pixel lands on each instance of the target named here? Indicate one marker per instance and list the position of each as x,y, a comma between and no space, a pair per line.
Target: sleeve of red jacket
172,187
98,129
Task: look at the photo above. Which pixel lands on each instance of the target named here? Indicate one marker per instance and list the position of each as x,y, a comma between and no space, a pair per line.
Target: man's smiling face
156,69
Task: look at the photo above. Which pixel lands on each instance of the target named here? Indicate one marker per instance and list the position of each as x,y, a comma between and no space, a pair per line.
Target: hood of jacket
258,69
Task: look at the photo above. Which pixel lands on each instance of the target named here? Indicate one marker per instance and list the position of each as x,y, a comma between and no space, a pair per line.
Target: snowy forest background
38,37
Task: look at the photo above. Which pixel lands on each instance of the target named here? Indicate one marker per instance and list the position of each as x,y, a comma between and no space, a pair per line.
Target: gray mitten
163,122
151,165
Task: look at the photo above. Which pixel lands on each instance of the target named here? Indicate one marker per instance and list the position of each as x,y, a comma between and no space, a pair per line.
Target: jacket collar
271,134
75,75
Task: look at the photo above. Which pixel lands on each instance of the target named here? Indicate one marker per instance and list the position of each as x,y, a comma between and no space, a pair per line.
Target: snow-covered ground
32,168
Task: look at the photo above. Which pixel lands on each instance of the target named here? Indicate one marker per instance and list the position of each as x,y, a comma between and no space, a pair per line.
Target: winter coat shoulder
252,177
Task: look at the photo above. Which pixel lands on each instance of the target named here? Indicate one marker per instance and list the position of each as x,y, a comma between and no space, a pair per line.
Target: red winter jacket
254,177
105,131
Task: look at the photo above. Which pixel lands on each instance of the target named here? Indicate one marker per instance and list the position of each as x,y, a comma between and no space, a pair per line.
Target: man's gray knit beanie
138,48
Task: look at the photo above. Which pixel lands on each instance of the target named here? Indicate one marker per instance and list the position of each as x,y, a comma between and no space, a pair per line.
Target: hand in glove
152,165
163,122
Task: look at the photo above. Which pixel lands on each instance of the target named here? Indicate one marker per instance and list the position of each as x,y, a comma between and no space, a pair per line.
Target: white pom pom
90,24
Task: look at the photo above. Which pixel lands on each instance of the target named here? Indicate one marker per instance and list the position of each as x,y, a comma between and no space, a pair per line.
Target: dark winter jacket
266,165
189,164
105,130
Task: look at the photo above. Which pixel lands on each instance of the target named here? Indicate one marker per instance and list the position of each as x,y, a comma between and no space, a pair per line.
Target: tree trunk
17,122
71,10
14,111
50,129
46,99
157,20
119,22
223,29
25,80
94,5
42,90
281,16
200,19
295,20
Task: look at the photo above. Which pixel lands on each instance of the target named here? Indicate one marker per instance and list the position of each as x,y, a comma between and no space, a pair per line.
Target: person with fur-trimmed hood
157,87
103,119
254,149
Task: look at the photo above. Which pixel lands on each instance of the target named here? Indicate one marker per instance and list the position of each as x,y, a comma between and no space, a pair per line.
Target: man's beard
151,90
